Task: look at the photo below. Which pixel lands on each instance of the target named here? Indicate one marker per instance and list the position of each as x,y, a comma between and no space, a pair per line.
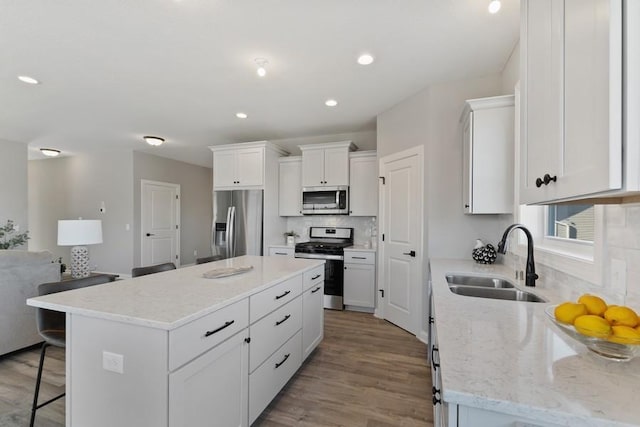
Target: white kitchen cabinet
313,321
363,184
212,387
282,251
326,164
359,280
290,184
487,155
577,142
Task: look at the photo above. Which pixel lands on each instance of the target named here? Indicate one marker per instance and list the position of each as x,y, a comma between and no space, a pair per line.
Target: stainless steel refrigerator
237,223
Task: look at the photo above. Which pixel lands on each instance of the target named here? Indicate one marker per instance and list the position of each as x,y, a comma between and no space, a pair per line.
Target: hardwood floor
366,372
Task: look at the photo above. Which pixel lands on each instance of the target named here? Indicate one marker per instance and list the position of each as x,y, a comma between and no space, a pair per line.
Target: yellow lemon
592,326
625,335
621,316
595,305
568,311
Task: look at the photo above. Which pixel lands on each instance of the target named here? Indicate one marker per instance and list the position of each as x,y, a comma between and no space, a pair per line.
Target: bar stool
143,271
209,259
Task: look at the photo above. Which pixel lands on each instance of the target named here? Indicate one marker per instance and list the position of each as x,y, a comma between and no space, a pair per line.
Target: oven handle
319,256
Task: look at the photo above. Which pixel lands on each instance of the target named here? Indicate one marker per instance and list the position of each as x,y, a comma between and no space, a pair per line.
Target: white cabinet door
313,319
224,168
359,285
280,251
249,167
290,195
336,166
363,182
212,390
313,168
466,164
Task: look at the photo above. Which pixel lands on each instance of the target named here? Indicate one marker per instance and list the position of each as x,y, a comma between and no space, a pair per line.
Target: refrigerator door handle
231,230
227,232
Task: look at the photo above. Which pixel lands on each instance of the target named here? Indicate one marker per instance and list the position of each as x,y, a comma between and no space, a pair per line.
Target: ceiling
112,71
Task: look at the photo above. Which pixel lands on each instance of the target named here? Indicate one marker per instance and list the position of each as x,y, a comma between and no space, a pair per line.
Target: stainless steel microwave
325,200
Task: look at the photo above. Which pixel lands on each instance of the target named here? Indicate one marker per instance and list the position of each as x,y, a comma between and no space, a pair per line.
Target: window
573,222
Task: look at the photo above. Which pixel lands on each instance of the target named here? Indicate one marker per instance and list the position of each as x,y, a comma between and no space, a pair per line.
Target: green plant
8,237
291,233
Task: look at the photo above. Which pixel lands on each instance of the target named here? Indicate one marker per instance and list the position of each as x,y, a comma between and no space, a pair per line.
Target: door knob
149,234
412,253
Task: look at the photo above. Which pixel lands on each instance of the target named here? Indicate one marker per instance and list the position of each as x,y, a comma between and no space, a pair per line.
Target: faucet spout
531,276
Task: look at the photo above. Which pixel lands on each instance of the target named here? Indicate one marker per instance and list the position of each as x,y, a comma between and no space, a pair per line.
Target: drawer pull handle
281,253
359,257
315,290
283,320
436,401
315,277
226,325
283,360
283,295
433,360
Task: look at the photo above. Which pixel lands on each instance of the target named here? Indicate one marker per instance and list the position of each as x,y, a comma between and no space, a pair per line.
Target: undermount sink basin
485,282
495,293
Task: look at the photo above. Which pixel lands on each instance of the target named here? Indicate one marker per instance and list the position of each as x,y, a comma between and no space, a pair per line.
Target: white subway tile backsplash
362,226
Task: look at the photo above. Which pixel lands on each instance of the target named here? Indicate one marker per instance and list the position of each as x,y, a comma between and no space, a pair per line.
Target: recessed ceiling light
153,140
28,80
241,115
494,6
331,103
365,59
261,63
50,152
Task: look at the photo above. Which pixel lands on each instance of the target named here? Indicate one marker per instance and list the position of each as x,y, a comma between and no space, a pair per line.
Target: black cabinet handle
381,292
315,277
150,234
315,290
280,253
359,257
430,320
283,360
435,390
539,182
283,320
433,360
247,340
283,295
436,401
466,206
548,178
226,325
411,254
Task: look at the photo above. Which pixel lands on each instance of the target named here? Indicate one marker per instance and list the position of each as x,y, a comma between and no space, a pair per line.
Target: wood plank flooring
366,372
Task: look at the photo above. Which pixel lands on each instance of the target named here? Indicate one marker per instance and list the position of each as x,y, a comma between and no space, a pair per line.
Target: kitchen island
177,349
503,363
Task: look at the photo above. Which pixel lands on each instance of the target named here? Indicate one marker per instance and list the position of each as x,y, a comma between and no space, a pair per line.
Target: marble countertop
508,357
173,298
360,248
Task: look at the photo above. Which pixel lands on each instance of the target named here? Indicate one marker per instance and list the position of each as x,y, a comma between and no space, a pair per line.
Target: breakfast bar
178,349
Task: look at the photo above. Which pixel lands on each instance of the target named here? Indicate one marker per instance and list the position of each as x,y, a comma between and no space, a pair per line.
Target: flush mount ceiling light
153,140
241,115
28,80
50,152
494,6
365,59
261,63
331,103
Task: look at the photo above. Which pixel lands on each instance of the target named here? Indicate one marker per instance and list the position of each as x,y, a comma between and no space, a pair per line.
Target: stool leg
37,391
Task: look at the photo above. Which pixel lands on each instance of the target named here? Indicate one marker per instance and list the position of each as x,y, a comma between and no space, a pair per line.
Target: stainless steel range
328,243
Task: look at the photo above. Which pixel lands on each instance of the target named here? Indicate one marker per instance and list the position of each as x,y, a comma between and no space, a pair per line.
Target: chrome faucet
531,275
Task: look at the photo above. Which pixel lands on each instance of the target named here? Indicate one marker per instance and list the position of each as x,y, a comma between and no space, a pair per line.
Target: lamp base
80,262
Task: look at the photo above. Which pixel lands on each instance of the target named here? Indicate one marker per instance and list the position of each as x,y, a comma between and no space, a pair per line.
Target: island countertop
507,357
173,298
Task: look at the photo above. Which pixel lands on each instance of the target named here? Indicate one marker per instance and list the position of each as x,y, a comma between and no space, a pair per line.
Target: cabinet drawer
266,381
270,299
273,330
359,257
281,251
313,277
193,339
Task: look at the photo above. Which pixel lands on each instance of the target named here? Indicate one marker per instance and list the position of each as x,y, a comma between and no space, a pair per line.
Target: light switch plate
113,362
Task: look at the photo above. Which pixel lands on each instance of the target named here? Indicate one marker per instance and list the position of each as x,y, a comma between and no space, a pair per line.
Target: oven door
333,279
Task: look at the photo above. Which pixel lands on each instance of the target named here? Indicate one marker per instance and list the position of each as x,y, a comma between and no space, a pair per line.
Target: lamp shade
79,232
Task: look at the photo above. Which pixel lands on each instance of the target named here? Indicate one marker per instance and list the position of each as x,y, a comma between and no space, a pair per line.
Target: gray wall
13,184
196,212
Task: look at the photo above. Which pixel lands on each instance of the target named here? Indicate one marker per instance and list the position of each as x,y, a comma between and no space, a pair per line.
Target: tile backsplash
363,227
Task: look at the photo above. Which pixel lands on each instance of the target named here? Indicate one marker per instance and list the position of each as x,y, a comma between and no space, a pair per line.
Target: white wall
196,192
511,71
13,184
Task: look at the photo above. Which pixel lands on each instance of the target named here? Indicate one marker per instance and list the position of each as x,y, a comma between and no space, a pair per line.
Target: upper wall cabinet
326,164
290,170
241,166
579,81
487,155
363,183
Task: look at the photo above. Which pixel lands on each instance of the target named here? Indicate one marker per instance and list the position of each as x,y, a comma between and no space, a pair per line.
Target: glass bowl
600,346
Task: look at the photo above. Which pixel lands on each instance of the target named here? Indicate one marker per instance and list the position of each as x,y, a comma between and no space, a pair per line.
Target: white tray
225,272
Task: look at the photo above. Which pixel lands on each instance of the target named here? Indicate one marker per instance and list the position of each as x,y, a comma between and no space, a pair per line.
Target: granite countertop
173,298
508,357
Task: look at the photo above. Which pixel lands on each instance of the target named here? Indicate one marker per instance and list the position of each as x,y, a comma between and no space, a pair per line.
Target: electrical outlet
113,362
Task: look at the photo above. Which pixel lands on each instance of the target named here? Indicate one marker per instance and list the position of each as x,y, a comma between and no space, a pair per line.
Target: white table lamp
78,233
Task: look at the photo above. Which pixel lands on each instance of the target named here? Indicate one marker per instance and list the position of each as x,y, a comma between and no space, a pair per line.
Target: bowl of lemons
610,331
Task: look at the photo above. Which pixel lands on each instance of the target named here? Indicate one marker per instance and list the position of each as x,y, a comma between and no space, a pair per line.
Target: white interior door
402,248
160,208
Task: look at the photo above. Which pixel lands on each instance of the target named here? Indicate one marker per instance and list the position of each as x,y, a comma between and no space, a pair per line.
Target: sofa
20,274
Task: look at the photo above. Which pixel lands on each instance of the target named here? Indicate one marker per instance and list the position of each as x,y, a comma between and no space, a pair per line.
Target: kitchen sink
495,293
485,282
